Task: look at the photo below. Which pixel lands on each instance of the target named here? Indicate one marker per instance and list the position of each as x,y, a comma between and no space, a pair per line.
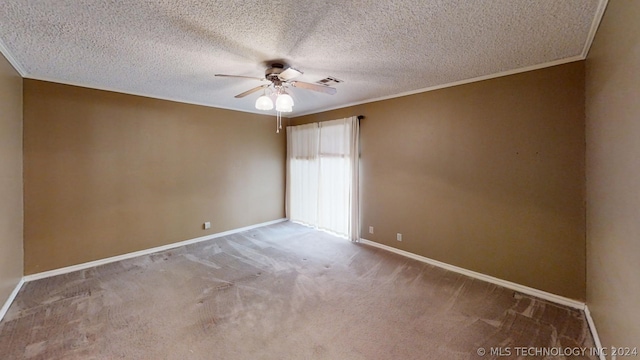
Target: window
322,176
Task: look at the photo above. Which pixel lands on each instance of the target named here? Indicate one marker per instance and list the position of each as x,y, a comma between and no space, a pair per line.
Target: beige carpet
278,292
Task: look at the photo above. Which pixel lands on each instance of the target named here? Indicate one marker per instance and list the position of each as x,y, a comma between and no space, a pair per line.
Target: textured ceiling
171,49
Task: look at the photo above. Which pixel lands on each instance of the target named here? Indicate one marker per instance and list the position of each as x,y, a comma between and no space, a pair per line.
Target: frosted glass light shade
284,103
264,103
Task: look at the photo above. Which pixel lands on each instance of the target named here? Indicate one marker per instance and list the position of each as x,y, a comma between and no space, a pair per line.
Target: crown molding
602,6
12,60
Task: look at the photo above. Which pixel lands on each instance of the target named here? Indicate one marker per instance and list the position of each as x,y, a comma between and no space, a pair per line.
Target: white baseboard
504,283
12,296
594,332
83,266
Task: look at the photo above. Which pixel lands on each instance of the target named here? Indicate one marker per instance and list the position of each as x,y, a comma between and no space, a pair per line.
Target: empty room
320,179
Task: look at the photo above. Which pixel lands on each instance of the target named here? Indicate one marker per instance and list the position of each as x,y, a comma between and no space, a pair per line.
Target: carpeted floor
280,292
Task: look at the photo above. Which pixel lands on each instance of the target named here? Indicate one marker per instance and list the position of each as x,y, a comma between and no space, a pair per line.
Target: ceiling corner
602,6
12,60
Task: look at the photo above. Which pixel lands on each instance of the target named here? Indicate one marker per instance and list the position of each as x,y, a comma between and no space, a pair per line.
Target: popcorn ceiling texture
172,49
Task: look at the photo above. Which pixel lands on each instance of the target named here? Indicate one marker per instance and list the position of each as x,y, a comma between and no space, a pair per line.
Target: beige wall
613,175
108,173
487,176
11,214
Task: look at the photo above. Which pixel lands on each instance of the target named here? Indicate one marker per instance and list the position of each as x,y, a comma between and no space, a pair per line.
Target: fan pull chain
278,116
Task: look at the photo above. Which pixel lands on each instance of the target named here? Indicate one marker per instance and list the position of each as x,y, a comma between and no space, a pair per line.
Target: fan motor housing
273,71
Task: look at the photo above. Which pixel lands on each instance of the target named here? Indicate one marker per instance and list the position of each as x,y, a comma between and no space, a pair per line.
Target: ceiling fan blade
320,88
240,76
289,73
250,91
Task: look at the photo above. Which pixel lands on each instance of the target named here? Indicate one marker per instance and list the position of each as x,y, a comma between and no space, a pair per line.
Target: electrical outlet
370,229
399,237
207,225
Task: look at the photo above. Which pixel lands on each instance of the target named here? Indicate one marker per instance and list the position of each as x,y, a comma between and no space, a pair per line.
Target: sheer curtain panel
302,173
322,187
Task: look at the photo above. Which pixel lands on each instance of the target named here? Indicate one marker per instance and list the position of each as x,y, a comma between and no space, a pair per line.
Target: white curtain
322,176
302,173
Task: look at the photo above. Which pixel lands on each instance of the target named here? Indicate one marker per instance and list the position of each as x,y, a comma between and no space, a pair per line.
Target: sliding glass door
322,176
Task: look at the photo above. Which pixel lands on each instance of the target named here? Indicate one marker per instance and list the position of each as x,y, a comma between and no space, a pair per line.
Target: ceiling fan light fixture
264,103
284,103
279,77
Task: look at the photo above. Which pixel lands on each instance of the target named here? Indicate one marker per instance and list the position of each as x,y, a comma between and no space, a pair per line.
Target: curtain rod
360,117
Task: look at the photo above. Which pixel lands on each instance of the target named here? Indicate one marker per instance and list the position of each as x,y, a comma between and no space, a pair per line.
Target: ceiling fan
279,76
